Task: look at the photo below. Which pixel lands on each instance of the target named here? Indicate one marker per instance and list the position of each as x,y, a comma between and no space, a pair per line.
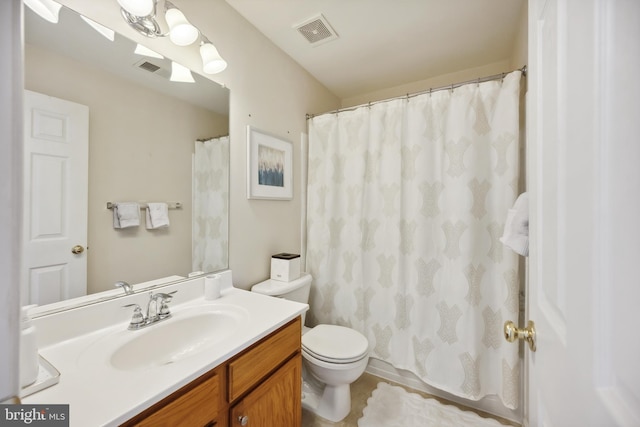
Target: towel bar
171,205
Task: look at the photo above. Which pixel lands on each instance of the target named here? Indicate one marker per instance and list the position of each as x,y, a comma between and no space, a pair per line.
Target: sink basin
187,333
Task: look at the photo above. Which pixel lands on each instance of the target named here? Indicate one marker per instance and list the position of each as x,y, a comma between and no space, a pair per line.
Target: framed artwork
269,166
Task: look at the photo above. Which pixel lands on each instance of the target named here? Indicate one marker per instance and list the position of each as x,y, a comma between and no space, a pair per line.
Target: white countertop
100,395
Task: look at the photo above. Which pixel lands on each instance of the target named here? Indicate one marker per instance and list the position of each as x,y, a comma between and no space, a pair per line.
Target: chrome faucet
128,290
160,311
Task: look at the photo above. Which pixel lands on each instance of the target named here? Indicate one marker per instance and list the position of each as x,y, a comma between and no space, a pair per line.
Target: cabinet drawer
193,405
264,357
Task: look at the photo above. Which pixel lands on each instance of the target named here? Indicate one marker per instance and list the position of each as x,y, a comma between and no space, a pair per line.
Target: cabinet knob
243,420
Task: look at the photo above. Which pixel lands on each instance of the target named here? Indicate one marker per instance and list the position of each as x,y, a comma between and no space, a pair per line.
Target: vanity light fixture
181,31
212,62
180,73
138,7
106,32
143,16
140,15
47,9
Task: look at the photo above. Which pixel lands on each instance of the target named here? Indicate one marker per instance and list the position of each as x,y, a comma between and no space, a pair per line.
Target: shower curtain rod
412,95
213,137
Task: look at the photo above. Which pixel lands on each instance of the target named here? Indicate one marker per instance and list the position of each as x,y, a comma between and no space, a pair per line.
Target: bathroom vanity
258,387
232,361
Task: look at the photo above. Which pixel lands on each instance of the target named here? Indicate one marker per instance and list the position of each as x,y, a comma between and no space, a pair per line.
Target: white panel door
583,129
56,139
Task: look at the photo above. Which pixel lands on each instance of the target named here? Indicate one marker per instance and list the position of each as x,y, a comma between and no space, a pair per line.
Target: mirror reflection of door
55,180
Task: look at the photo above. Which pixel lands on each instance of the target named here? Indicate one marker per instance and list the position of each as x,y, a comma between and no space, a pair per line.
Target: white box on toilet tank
285,267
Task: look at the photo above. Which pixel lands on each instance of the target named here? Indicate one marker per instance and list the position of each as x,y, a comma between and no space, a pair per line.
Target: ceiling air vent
148,66
317,30
157,69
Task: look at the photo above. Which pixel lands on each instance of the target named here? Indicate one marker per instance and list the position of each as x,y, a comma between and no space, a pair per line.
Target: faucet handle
163,311
137,320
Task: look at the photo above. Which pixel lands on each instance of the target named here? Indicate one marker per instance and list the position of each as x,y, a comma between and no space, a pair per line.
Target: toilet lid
333,343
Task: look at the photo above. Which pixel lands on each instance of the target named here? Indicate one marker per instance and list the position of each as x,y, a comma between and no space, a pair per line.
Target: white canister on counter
212,287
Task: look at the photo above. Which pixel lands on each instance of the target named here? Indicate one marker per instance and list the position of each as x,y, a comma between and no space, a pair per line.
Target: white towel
126,215
516,229
157,215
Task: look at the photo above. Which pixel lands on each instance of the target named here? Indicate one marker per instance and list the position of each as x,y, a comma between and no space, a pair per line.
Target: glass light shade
106,32
46,9
180,73
137,7
181,32
212,62
143,50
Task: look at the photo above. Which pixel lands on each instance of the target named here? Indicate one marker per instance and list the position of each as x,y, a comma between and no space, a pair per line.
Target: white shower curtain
406,202
210,238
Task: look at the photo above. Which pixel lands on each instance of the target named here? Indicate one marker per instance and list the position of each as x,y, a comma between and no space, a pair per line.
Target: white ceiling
386,43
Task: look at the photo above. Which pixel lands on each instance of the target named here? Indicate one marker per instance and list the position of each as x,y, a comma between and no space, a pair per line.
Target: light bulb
212,62
181,32
137,7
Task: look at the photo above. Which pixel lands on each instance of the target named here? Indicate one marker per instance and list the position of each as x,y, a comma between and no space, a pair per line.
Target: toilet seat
335,344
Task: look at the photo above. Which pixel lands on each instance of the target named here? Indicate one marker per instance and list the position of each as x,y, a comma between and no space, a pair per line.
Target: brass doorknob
513,333
77,249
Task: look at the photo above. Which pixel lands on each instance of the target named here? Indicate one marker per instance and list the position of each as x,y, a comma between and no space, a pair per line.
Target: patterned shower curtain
210,238
407,200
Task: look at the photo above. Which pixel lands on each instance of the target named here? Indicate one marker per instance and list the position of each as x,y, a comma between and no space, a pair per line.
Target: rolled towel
516,228
126,214
157,215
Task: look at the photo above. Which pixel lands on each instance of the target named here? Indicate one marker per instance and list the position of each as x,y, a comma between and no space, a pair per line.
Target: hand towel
126,215
516,228
157,215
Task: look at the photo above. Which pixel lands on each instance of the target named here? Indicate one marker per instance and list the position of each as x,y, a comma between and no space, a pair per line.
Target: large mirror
142,147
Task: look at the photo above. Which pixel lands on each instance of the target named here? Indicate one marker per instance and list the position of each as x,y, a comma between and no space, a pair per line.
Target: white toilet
335,356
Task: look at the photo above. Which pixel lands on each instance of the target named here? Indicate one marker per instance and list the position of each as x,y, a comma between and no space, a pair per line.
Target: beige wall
431,82
135,154
517,60
269,91
520,44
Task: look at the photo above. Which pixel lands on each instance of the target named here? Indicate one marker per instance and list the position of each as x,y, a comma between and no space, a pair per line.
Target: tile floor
361,391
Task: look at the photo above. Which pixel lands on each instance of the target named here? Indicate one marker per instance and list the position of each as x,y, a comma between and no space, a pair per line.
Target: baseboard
489,404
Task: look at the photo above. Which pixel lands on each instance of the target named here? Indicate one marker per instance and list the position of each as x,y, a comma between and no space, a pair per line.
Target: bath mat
392,406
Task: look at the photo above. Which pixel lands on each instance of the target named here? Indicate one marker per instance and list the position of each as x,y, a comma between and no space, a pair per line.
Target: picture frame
269,166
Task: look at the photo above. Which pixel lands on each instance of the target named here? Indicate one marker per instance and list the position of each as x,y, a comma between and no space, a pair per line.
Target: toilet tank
297,290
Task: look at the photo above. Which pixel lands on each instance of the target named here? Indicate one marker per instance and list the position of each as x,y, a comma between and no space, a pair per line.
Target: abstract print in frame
269,166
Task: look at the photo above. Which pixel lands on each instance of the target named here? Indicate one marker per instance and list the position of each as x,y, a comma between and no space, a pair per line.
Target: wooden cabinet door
275,402
198,404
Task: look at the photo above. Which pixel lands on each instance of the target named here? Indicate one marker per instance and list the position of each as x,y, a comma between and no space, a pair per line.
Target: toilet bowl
333,356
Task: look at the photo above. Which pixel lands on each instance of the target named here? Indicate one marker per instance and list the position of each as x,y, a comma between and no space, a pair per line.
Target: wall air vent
155,68
317,30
